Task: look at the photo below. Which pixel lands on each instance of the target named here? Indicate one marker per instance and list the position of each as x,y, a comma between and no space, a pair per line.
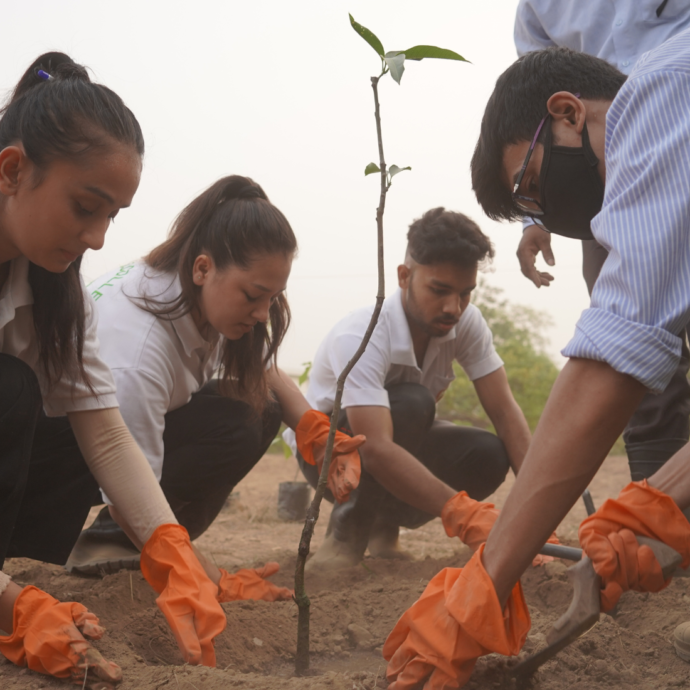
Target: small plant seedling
393,63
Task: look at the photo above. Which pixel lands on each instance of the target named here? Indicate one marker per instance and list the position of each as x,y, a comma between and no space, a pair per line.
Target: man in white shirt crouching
412,462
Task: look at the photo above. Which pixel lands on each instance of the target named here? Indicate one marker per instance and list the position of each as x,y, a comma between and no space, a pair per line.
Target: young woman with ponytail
70,159
209,300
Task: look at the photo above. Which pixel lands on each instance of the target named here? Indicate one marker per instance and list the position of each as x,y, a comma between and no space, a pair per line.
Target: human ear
403,276
13,164
202,268
565,107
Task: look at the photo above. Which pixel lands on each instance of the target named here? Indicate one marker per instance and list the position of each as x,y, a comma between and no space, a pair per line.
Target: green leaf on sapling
367,35
278,445
371,168
421,52
287,451
305,374
394,170
396,64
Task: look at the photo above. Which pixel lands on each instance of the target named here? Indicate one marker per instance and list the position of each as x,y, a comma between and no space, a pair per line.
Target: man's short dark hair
441,236
518,104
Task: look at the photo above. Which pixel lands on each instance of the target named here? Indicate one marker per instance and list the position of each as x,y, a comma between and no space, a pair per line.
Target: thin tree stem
301,598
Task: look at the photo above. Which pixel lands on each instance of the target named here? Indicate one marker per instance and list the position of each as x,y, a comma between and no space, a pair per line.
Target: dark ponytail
67,116
234,223
64,117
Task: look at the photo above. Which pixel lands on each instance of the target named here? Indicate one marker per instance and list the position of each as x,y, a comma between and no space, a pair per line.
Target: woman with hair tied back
210,299
70,159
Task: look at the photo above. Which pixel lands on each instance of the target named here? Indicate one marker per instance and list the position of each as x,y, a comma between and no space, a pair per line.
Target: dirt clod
361,637
556,569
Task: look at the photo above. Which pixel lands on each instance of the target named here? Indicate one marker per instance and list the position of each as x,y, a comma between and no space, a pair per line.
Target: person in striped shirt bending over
567,139
619,32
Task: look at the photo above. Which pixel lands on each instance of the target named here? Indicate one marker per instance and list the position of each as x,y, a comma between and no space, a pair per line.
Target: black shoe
103,549
349,528
384,541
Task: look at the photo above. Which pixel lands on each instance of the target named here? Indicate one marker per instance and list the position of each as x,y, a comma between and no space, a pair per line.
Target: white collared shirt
390,359
18,338
157,362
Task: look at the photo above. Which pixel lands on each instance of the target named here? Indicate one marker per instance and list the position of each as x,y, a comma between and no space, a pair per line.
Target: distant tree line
519,339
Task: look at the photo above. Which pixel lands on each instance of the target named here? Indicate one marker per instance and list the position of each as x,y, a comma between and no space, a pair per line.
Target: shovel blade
584,608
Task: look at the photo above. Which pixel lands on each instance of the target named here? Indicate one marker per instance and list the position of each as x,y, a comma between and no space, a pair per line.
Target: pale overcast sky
280,92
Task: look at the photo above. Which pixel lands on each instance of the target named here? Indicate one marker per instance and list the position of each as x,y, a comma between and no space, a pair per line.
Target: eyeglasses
530,206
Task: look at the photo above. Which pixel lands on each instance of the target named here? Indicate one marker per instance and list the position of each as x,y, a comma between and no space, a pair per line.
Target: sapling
393,63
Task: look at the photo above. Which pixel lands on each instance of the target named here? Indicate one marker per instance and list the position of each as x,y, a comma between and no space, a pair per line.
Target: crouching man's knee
490,466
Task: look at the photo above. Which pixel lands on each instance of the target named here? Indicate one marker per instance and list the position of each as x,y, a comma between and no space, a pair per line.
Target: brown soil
630,649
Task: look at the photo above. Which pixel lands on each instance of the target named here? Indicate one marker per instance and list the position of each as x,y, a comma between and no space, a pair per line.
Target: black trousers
660,425
211,444
465,458
46,489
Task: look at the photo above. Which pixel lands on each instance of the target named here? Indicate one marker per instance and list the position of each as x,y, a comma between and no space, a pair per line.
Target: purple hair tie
44,75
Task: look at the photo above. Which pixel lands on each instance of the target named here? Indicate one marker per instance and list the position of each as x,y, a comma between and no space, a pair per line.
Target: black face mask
572,192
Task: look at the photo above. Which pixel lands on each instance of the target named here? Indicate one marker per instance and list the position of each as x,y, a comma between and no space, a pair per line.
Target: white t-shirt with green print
157,362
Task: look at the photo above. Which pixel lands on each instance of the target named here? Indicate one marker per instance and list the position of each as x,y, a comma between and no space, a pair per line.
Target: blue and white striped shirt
618,31
641,299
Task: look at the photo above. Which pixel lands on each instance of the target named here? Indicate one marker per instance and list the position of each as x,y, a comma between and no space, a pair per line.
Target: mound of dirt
354,610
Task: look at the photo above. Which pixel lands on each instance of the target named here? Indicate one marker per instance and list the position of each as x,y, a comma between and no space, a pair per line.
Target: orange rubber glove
311,435
469,520
188,598
541,559
51,637
456,620
251,583
607,537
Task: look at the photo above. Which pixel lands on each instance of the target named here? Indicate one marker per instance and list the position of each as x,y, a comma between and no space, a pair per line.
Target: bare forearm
674,478
392,466
588,408
7,599
505,414
288,394
406,478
